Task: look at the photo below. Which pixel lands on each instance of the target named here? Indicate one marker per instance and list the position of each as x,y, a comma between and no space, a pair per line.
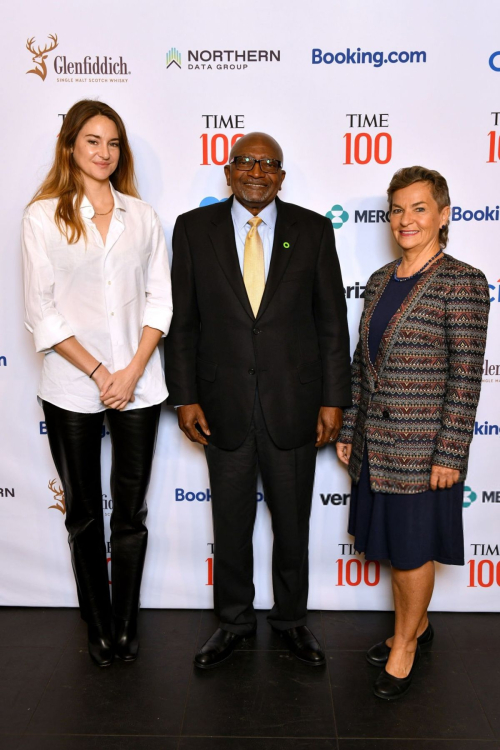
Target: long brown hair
439,188
64,180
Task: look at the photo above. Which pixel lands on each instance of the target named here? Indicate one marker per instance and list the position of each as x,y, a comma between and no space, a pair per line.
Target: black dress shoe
379,654
126,640
218,648
100,645
303,645
391,688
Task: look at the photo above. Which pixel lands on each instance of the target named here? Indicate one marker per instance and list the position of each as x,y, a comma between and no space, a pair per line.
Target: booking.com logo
202,496
337,216
486,214
377,59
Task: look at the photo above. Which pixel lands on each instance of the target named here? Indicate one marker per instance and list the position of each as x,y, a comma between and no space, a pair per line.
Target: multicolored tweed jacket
416,405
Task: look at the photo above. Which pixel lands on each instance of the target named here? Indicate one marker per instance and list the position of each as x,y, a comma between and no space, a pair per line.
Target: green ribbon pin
286,244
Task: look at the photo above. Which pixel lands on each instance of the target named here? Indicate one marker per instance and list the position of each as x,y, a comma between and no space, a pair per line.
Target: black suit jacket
297,349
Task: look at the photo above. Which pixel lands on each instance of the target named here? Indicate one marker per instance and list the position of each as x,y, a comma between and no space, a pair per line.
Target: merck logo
337,216
469,497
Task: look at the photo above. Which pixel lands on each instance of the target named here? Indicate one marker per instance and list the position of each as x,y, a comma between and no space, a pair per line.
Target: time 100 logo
353,571
365,147
217,146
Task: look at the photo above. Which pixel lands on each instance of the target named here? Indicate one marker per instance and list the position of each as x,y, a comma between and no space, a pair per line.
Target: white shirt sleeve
41,317
158,310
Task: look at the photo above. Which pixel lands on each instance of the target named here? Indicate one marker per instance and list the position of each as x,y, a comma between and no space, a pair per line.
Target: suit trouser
288,479
75,444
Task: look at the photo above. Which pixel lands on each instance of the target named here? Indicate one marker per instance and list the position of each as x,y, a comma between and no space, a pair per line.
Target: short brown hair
64,181
409,175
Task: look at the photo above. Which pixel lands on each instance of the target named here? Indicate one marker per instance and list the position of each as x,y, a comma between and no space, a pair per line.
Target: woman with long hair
98,301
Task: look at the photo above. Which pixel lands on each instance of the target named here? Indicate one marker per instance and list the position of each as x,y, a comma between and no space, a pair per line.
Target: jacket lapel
398,319
222,237
368,317
285,236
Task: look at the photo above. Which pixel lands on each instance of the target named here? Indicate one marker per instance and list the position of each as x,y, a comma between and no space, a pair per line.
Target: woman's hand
442,477
344,452
100,376
118,388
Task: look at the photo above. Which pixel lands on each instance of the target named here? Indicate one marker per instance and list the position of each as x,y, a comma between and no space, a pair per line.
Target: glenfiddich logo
89,69
59,496
40,55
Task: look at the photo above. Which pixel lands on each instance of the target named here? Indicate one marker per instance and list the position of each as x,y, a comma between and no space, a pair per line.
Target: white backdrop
428,74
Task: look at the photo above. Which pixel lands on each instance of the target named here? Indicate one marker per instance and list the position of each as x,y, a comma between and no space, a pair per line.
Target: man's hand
189,416
442,477
329,424
344,451
118,388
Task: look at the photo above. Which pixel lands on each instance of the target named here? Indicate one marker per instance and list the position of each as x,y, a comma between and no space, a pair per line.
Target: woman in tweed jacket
416,376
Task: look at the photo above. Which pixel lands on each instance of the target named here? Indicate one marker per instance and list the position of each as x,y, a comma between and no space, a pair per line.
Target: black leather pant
75,444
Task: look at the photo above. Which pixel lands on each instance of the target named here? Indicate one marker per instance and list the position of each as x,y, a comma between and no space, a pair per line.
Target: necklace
407,278
105,214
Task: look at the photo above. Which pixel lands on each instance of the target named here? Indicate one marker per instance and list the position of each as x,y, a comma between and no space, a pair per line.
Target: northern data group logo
174,57
222,59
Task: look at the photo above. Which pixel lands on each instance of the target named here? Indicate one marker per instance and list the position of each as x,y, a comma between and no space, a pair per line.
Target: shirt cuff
158,318
49,332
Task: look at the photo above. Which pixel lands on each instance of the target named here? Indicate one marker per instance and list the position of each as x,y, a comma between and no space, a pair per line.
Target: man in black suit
257,361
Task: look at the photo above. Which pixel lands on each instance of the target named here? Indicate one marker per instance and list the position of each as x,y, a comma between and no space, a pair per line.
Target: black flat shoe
100,645
218,648
126,640
303,645
379,654
391,688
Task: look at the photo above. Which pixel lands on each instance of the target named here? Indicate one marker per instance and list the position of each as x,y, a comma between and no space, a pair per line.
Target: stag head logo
40,55
59,496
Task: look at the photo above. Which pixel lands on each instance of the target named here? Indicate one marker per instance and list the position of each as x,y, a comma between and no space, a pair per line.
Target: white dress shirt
241,216
101,293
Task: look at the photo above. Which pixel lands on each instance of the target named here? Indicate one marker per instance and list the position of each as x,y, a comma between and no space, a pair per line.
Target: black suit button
256,331
386,414
251,372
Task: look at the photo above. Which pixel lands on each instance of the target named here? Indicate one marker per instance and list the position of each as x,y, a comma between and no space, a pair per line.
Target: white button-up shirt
101,293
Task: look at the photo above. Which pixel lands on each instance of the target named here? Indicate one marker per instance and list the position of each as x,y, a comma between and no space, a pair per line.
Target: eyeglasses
247,163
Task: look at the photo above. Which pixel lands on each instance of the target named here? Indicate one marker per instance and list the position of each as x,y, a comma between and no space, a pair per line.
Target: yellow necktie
253,265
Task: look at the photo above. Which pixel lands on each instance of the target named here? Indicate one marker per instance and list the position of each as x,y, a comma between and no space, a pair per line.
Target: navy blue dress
408,530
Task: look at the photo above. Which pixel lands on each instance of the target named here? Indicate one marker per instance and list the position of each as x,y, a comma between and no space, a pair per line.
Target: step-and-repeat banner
352,91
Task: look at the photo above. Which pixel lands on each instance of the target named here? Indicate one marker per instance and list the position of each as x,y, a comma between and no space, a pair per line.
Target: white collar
87,208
